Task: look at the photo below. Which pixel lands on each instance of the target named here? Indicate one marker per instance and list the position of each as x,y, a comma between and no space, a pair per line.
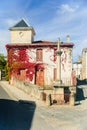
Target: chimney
67,39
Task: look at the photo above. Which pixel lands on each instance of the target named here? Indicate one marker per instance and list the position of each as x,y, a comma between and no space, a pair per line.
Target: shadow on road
81,90
79,94
16,115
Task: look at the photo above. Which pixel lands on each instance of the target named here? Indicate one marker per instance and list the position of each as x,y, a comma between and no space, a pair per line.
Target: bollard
72,99
41,96
48,100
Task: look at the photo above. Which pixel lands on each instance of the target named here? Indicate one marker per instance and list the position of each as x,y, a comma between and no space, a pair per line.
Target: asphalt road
20,114
25,115
15,115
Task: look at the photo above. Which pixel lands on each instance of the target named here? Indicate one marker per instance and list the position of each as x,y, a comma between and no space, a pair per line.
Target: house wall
78,69
84,64
48,60
21,36
66,65
50,64
31,52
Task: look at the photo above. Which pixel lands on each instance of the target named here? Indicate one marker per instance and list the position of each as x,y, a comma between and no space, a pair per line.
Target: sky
50,19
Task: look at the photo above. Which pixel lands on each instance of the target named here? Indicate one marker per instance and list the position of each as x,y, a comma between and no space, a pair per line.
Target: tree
3,66
2,62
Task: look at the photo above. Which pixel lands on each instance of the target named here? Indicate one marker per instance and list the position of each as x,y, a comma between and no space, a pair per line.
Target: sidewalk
18,94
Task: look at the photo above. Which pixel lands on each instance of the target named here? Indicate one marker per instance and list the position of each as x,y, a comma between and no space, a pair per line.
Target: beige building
84,63
77,66
22,33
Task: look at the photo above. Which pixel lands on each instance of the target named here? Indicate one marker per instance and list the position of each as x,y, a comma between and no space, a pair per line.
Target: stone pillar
72,99
48,99
59,95
72,95
59,62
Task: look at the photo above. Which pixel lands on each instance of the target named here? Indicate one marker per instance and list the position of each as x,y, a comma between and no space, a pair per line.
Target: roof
78,62
22,25
40,44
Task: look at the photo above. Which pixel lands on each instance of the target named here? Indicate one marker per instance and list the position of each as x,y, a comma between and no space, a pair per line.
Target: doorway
40,77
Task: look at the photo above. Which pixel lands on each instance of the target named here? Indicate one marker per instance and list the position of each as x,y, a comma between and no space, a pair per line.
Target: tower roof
21,23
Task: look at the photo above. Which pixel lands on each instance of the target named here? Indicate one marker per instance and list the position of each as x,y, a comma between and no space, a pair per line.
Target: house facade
77,66
84,63
35,61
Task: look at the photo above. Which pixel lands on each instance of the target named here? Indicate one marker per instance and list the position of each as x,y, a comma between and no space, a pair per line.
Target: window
39,55
55,74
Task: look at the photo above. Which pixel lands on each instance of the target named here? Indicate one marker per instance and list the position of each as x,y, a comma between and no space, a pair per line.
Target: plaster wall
50,64
66,65
86,65
48,60
21,36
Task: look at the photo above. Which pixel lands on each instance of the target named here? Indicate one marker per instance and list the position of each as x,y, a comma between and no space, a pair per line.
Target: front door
40,77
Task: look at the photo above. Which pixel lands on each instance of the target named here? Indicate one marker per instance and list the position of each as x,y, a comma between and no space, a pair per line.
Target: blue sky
50,18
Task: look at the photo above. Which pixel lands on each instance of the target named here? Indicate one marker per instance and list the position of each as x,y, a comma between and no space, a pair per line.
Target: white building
77,66
84,63
36,60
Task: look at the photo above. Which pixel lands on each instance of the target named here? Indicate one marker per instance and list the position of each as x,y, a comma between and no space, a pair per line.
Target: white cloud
66,8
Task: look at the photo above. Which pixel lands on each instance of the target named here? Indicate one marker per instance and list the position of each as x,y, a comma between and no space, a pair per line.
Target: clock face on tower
21,34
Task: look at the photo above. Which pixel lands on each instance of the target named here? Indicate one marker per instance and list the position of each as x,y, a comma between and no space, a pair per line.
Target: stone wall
44,94
31,89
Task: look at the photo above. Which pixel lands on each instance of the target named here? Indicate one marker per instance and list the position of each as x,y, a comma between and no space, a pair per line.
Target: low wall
31,89
43,94
35,91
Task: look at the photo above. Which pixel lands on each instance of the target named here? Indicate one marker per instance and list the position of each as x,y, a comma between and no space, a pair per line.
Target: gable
21,23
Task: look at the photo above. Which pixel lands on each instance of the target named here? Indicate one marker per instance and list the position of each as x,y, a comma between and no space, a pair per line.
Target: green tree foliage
3,66
2,62
6,72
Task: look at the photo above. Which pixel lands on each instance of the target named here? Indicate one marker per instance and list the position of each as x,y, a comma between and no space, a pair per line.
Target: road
25,115
15,115
20,114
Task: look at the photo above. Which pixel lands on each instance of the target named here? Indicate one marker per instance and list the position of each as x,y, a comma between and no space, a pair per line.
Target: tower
22,33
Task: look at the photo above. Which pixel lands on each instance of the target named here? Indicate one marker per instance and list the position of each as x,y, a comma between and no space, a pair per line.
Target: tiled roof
40,44
43,42
77,62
